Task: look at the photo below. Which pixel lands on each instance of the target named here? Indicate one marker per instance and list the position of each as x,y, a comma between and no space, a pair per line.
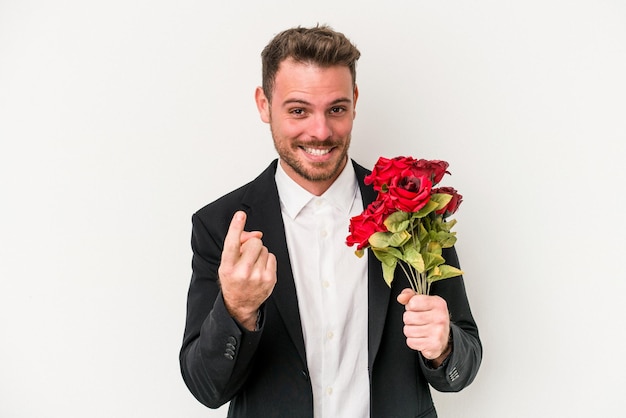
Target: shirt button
330,335
323,234
326,284
329,390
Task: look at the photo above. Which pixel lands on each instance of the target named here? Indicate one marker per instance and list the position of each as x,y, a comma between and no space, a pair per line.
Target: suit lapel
264,215
378,291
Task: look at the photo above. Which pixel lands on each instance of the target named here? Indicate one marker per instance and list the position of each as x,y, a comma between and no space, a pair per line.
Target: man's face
310,117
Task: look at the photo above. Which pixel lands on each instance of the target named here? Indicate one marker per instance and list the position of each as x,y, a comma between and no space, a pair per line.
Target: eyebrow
304,102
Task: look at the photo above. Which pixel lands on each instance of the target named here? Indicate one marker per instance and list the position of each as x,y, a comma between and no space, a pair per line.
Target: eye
337,110
297,111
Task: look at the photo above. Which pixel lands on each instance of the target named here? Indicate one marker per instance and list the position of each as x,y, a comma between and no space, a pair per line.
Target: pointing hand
247,272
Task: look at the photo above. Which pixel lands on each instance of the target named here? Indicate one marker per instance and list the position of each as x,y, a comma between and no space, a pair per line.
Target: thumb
246,235
405,296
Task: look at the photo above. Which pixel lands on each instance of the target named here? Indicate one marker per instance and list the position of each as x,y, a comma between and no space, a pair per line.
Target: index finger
424,303
232,242
418,303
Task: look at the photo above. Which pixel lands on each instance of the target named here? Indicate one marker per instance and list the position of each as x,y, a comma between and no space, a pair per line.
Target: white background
119,119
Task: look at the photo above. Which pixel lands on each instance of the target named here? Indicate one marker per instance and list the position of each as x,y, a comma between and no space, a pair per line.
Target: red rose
361,228
434,169
386,169
453,204
410,193
364,225
380,209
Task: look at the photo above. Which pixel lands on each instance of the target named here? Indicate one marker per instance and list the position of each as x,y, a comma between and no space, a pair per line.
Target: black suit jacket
264,373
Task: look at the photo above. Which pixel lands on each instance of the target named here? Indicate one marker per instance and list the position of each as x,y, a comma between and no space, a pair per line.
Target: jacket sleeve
217,352
461,367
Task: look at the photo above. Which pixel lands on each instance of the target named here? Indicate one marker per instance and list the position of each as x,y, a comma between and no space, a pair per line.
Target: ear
262,104
354,99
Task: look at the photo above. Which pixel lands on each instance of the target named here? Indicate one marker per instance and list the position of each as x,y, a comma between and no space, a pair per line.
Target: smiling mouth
316,151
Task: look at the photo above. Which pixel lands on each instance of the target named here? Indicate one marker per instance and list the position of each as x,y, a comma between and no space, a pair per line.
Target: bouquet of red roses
407,224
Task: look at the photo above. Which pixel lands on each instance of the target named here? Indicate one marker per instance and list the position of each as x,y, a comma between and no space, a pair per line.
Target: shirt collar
340,194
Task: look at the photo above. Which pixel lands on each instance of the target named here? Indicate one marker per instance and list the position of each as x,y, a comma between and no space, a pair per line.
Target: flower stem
410,277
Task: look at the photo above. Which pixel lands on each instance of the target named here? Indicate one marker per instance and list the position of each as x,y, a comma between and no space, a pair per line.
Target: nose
320,127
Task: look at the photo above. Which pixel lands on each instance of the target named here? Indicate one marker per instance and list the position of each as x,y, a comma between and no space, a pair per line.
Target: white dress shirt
331,285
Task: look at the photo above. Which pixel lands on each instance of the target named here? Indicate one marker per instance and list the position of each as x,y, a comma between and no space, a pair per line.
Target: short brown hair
320,45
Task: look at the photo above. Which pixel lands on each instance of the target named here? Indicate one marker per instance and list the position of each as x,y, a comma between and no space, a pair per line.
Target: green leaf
447,226
442,199
397,221
379,239
432,260
414,258
444,271
388,262
447,240
399,239
443,239
388,272
422,234
388,250
387,257
435,222
439,225
434,247
429,207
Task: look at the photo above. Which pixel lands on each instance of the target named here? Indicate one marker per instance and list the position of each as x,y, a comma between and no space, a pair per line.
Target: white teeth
315,151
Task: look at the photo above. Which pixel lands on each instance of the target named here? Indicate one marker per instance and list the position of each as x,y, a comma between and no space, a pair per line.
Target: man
283,319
